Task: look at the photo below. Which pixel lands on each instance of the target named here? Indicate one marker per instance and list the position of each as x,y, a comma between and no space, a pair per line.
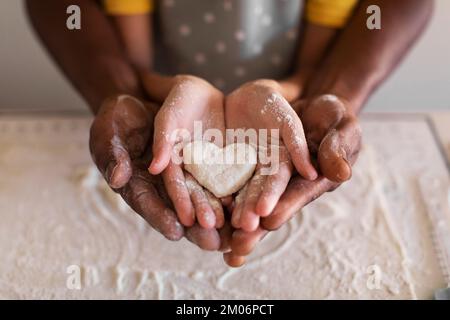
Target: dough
222,171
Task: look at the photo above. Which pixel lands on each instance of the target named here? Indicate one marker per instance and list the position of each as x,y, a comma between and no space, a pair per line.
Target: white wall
29,80
422,82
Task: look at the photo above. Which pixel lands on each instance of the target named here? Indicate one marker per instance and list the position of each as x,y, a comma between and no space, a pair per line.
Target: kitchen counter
441,121
369,239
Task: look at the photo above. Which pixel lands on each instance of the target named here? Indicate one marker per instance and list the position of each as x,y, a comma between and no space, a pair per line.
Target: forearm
137,37
314,43
92,58
361,58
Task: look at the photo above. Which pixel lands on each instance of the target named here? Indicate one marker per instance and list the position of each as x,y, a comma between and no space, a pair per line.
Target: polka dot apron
227,42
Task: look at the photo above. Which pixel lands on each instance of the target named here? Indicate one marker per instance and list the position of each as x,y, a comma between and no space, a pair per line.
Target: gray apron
227,42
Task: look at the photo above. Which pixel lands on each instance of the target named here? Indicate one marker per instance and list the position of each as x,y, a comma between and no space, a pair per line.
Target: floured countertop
441,123
371,238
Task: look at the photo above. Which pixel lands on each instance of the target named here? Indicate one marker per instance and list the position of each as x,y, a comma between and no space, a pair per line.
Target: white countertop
56,211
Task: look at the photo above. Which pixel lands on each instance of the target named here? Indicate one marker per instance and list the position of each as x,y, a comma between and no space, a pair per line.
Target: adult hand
120,144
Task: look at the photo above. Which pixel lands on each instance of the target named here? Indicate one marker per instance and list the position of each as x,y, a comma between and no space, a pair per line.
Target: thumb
118,133
118,170
169,128
164,139
337,149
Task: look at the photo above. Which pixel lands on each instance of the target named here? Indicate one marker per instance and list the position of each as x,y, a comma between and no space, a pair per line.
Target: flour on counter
369,239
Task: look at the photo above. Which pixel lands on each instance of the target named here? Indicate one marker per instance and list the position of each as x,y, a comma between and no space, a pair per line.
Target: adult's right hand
120,144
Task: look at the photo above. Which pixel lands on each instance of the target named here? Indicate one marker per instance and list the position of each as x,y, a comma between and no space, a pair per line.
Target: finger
238,206
156,85
233,260
322,114
249,220
216,205
243,243
118,171
179,106
143,198
174,181
203,211
206,239
319,117
225,234
294,139
226,201
337,148
164,139
273,188
298,194
119,132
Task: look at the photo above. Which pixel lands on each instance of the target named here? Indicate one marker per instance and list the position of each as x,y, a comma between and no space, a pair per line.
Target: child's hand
259,105
188,99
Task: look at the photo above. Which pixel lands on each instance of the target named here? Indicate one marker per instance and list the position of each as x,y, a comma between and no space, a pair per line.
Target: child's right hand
186,99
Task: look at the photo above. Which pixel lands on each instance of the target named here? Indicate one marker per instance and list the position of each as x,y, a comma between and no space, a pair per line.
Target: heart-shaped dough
222,171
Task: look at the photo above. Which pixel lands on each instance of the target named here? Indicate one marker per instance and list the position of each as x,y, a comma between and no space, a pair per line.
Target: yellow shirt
128,7
328,13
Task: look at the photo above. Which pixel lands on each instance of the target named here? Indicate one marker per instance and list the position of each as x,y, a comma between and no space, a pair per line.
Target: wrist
122,79
296,84
198,86
352,82
290,88
353,91
158,86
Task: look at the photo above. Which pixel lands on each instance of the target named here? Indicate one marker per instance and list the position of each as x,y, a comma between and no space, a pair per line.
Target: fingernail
173,231
312,174
264,208
346,172
117,174
110,172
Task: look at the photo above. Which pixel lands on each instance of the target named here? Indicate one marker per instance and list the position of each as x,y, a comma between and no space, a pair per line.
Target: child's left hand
185,100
